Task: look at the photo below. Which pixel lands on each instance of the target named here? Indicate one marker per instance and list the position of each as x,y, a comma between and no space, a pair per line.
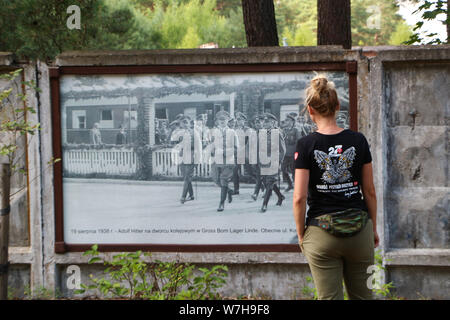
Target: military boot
184,193
223,196
280,196
230,195
266,200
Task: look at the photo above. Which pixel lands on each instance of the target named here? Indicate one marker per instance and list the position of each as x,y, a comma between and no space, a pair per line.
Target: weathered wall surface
417,115
403,109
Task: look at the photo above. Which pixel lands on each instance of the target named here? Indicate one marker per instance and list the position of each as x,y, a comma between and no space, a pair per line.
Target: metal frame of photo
350,67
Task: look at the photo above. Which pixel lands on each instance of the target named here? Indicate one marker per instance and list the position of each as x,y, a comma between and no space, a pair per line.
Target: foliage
380,288
129,276
401,34
15,125
297,21
37,29
13,116
189,24
430,11
308,291
41,293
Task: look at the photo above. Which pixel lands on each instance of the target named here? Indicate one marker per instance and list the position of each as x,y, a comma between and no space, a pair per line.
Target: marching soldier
187,166
223,172
255,169
291,136
271,180
239,124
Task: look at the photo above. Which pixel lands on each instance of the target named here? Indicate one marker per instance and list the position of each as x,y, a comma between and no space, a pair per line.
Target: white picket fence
165,162
123,161
120,161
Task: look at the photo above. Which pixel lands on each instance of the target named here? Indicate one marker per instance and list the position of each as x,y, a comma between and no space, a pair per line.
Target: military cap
292,116
183,118
268,115
175,122
223,114
199,117
241,115
342,115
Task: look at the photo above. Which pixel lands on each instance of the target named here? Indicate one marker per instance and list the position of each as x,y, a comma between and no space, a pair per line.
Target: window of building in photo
161,113
106,119
79,119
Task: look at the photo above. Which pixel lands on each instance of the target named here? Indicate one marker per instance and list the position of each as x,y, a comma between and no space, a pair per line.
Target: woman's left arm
299,203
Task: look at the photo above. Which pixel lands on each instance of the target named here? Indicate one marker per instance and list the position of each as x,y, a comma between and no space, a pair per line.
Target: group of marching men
224,172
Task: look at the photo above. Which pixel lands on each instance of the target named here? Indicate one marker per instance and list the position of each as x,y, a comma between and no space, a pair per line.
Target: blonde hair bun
321,95
320,83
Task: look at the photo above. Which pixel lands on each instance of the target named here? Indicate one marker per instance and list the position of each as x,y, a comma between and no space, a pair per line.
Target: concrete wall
403,109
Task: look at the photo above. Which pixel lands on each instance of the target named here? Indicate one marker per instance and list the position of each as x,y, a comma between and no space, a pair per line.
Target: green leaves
430,11
128,275
14,112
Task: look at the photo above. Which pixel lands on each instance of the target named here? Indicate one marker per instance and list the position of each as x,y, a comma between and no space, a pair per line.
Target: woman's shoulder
306,139
356,134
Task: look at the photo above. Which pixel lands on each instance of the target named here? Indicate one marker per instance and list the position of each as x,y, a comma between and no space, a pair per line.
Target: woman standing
333,165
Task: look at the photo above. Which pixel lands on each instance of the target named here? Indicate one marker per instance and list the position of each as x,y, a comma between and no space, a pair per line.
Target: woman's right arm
370,197
299,200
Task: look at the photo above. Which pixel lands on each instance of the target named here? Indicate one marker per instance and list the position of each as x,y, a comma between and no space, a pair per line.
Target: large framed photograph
182,158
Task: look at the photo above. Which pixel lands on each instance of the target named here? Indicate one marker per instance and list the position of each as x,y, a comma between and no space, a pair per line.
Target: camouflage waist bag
345,223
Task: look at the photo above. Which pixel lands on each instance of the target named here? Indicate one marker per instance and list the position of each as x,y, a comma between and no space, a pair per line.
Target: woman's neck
327,125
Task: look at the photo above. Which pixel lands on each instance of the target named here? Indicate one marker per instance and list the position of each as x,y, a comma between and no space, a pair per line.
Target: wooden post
4,228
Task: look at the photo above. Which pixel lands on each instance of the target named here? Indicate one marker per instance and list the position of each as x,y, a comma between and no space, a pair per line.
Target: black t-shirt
335,166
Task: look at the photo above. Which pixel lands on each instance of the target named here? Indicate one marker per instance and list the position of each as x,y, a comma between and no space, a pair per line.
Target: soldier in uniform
239,124
255,169
271,180
291,136
231,123
303,126
187,166
174,126
222,173
341,119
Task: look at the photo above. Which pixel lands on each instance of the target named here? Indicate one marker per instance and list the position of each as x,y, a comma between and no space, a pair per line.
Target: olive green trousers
333,259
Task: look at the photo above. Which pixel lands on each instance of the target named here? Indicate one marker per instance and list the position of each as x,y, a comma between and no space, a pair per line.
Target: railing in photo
165,162
111,161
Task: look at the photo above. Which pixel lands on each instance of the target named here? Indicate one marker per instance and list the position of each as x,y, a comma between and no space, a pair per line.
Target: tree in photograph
260,23
333,23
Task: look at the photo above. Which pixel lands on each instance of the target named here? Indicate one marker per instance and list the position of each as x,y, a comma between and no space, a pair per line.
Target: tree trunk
260,24
334,23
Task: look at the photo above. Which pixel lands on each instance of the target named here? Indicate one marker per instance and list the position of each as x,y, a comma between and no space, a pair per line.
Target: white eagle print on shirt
335,164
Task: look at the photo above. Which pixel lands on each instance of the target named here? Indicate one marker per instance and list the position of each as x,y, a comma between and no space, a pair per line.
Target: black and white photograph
184,158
